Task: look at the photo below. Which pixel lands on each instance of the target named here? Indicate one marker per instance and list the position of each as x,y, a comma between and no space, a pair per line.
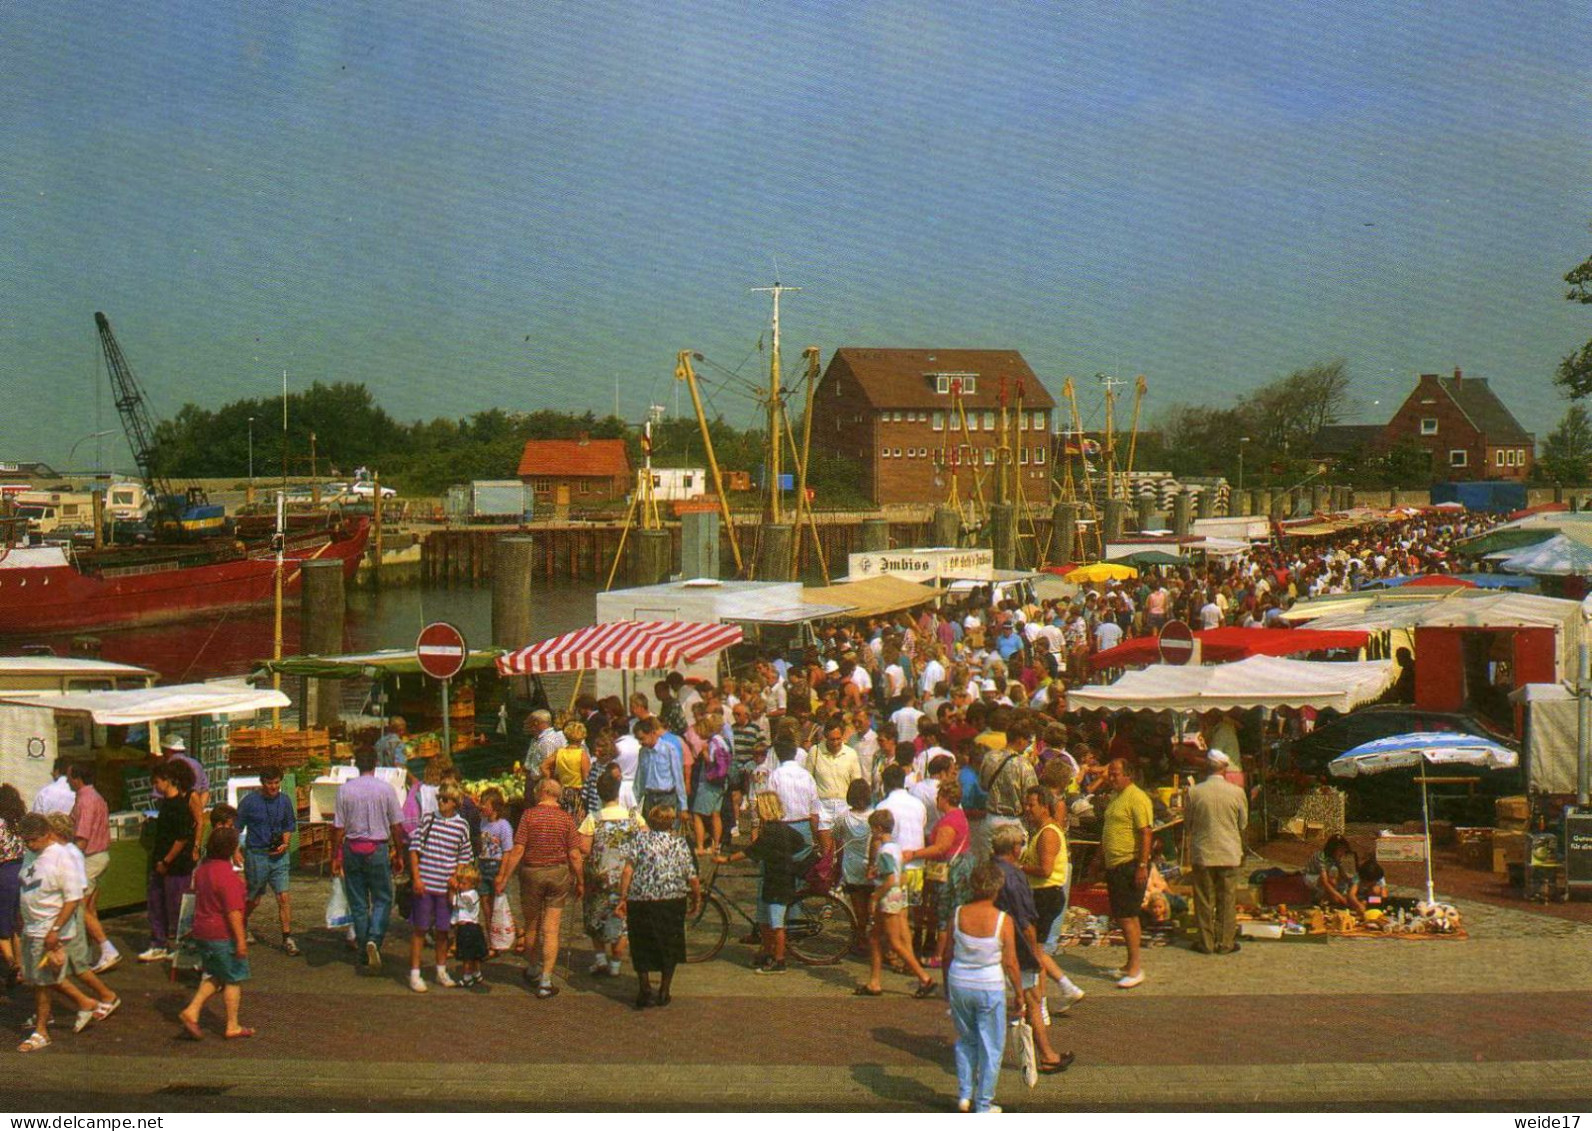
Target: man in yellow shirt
834,767
1125,835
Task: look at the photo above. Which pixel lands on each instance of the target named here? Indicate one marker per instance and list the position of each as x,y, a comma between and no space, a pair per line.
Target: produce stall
203,711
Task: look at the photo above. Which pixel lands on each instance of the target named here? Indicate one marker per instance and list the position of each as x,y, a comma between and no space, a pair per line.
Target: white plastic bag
1020,1052
501,936
337,914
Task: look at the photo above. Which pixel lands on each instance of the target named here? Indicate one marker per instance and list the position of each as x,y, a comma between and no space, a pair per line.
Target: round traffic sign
1177,642
440,650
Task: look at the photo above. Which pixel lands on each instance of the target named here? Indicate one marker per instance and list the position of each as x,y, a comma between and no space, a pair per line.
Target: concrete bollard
1182,505
513,566
1064,533
875,535
1003,535
774,550
947,526
321,607
653,559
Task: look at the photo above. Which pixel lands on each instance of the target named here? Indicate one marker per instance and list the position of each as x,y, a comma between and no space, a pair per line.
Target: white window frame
972,422
1022,456
937,421
1039,422
989,422
1462,461
1428,431
989,457
1039,455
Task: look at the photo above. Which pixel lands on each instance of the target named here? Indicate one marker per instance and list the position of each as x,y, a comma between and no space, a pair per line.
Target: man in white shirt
911,818
1108,634
906,719
798,797
627,752
57,797
933,673
1210,615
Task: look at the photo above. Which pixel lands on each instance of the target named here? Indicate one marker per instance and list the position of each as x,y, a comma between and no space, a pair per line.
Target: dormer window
944,381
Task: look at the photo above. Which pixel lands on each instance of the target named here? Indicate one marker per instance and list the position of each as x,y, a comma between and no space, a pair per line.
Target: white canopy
1260,681
152,704
1553,726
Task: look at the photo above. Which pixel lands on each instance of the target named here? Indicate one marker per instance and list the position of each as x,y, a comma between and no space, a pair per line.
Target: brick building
576,471
896,413
1465,428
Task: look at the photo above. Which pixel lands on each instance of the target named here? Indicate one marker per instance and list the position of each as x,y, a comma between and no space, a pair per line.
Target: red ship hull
38,595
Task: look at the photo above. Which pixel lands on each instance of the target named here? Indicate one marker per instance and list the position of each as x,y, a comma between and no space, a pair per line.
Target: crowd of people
924,765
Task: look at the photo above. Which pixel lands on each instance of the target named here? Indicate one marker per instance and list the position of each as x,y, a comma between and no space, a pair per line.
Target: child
497,837
776,850
218,933
855,836
1371,890
467,933
224,816
441,845
890,907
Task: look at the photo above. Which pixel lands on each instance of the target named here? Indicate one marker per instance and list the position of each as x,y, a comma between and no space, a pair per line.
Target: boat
58,588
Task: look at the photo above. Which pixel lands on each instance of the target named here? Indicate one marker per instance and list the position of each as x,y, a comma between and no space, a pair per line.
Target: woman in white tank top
983,961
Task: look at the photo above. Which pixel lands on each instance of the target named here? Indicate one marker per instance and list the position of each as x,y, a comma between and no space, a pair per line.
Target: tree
1574,376
1567,452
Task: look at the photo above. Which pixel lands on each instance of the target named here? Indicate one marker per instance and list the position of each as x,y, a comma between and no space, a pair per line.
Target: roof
574,458
1259,681
67,665
1481,405
1229,643
904,378
1345,439
873,596
391,661
151,704
623,646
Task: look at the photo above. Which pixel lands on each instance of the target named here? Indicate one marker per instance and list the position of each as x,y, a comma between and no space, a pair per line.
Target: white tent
1260,681
1553,725
151,704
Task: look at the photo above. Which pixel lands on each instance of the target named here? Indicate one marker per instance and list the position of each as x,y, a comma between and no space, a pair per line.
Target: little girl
468,938
497,837
890,910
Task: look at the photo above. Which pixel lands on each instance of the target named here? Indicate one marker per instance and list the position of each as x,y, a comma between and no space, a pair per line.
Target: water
234,644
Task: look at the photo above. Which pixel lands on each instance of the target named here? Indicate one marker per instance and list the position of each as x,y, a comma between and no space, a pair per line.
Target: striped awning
625,645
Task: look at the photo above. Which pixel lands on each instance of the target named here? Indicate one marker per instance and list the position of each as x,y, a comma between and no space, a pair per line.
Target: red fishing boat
52,588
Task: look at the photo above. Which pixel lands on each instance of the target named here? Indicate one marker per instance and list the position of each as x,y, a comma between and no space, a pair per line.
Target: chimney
1458,376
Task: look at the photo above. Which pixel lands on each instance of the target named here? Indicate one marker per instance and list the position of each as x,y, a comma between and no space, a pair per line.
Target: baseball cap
1217,760
174,743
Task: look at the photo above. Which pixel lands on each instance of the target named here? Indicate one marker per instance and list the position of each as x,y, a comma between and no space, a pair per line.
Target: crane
188,513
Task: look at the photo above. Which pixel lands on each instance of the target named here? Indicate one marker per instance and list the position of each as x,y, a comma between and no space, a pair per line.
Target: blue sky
475,205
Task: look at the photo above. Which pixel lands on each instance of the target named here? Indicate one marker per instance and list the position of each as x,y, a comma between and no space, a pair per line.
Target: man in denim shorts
267,820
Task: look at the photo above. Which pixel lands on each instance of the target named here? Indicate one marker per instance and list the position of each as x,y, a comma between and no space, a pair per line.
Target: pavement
1497,1021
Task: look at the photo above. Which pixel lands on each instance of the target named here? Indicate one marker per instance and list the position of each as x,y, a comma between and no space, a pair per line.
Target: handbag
1019,1052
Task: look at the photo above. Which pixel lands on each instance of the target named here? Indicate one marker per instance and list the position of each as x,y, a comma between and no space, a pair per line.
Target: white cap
831,666
1217,760
174,743
988,685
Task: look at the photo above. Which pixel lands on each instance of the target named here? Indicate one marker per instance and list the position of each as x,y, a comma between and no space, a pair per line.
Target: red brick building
901,413
582,470
1465,428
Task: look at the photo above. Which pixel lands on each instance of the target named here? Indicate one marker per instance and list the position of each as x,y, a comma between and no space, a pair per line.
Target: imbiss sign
925,565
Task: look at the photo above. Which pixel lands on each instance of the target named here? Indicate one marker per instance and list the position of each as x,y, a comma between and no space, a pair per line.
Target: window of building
897,453
1039,422
1428,426
1458,457
585,485
1022,456
989,422
972,422
989,457
1022,422
1522,454
542,486
1039,454
937,422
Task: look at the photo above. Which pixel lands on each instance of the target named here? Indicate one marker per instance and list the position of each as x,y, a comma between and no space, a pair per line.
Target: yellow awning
1101,571
873,597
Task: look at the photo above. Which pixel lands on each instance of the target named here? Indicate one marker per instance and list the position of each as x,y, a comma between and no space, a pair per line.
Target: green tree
1567,452
1574,376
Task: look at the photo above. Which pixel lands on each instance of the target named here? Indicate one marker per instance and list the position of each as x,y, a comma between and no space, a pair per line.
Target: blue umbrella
1401,751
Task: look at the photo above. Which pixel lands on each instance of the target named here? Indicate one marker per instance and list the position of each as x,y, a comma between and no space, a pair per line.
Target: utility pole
776,405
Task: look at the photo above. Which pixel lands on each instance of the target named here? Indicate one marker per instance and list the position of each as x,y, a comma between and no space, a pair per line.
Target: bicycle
819,926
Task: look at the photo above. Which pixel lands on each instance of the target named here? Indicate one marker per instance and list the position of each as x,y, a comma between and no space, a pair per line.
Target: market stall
1229,643
1259,681
79,725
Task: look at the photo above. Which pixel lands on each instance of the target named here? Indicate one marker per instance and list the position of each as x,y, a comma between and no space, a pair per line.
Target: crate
257,749
1512,809
1400,849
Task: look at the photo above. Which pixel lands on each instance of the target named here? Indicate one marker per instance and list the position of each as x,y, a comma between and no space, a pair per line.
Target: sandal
1055,1066
190,1030
926,990
864,991
240,1034
34,1043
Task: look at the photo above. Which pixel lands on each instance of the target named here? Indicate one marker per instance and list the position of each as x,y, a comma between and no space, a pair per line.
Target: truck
491,500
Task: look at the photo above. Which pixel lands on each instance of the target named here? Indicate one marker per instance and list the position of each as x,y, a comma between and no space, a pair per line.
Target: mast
684,372
776,404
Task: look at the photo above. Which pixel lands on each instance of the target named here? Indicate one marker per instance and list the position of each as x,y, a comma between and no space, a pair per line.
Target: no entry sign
1177,642
440,650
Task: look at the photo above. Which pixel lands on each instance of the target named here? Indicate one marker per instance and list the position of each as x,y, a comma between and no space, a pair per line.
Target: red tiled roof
574,458
904,378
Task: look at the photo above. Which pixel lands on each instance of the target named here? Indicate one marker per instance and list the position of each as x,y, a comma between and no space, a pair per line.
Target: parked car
365,489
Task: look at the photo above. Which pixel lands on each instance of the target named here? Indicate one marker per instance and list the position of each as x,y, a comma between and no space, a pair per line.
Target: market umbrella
1102,571
1443,580
1144,558
1400,751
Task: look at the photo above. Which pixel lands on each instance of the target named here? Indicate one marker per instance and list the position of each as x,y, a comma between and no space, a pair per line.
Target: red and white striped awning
622,646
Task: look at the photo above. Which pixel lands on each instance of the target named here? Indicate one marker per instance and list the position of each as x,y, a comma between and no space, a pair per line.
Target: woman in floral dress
658,888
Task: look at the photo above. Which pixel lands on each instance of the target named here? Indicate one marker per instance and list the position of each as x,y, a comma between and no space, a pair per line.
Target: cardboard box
1508,848
1475,848
1400,849
1512,808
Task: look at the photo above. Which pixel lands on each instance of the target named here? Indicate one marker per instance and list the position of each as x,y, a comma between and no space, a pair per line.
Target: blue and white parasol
1402,751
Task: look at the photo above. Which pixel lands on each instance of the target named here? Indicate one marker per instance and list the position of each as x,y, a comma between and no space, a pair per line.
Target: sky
472,205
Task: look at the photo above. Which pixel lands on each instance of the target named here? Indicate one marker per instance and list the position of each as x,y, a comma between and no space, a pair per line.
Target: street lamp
251,453
1242,440
72,453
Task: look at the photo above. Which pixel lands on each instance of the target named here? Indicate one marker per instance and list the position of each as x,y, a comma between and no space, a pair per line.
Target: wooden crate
253,750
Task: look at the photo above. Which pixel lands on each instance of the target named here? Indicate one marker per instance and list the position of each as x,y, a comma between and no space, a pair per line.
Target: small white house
670,484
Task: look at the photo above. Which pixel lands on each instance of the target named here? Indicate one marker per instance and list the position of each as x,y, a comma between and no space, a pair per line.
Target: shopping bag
337,914
1019,1052
502,933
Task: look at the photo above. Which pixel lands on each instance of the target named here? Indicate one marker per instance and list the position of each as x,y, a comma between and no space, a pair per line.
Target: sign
1400,849
929,565
1578,850
1177,642
440,650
